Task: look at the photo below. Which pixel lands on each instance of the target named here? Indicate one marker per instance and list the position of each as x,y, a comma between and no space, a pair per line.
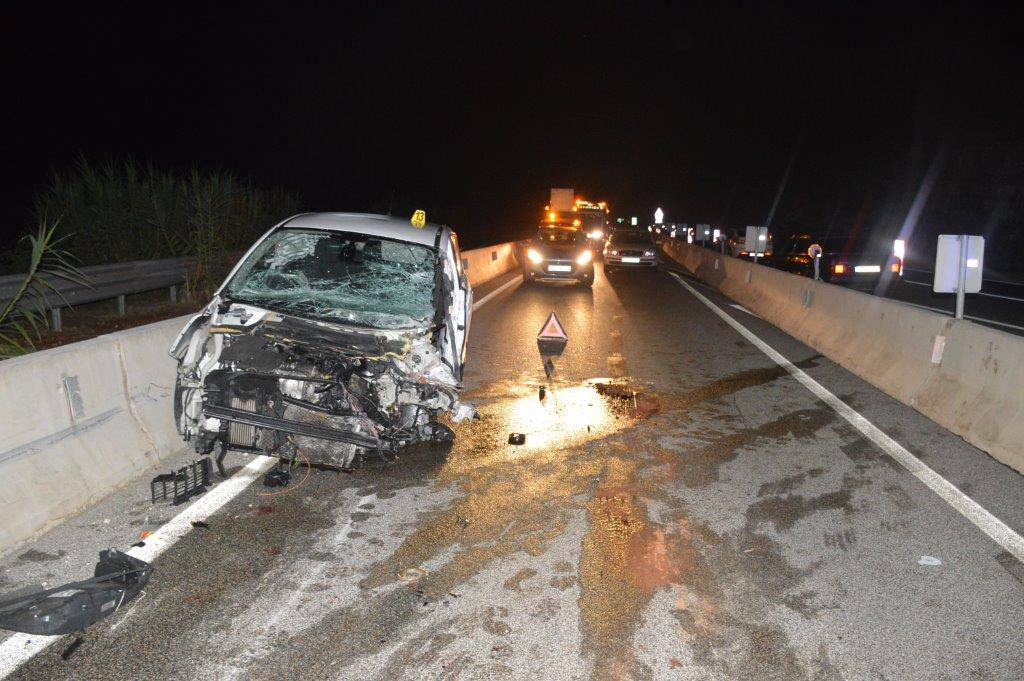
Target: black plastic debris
542,393
200,524
182,484
71,649
279,477
517,438
441,434
118,579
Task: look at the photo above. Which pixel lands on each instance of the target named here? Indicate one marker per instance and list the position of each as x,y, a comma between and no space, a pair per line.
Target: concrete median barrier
73,425
483,264
83,419
964,376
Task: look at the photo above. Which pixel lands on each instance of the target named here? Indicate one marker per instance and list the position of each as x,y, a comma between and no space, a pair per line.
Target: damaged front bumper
255,380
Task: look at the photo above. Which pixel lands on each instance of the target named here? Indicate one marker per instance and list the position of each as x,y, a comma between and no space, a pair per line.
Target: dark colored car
559,253
630,248
841,259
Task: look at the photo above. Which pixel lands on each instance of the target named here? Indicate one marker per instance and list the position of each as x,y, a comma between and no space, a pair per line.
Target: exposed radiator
240,433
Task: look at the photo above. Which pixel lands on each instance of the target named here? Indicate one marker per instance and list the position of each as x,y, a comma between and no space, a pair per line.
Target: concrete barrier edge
974,389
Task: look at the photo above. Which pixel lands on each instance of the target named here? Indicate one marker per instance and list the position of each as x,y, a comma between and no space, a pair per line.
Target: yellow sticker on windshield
419,219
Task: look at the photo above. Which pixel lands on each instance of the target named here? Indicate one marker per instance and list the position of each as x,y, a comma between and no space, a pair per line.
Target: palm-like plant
24,314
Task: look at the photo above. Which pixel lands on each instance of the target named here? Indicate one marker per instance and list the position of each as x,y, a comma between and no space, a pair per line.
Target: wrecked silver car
335,336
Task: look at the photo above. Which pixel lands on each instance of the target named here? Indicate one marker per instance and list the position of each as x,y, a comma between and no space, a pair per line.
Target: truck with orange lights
593,218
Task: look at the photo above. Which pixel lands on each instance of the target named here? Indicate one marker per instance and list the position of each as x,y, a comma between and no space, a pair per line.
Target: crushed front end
257,381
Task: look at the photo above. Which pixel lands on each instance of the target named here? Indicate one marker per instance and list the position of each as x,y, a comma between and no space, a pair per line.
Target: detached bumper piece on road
119,578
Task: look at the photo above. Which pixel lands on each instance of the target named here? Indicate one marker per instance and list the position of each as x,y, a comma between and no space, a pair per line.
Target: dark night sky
473,112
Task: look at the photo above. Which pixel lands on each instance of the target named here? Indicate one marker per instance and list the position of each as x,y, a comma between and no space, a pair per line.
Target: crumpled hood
347,341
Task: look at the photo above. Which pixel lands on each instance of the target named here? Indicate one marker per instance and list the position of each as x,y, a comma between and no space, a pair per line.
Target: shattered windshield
339,276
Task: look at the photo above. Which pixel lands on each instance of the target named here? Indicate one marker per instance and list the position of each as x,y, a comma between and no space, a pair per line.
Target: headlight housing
584,257
648,254
534,256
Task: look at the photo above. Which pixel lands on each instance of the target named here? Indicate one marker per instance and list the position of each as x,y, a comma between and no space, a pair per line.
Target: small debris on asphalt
542,393
263,510
277,478
517,438
70,650
145,533
139,544
929,560
412,576
201,524
643,404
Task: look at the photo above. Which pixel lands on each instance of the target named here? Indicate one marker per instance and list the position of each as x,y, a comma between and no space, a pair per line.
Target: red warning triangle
552,330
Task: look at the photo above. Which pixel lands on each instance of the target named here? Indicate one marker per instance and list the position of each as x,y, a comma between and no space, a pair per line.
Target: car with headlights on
559,253
854,260
630,248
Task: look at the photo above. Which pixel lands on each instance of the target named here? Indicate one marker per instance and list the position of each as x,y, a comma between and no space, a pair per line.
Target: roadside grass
120,210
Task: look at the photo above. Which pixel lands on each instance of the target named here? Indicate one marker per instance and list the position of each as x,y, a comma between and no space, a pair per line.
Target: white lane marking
508,284
993,281
19,648
980,293
743,309
996,295
996,529
949,313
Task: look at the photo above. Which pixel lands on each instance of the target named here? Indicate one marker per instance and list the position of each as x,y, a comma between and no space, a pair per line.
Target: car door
460,307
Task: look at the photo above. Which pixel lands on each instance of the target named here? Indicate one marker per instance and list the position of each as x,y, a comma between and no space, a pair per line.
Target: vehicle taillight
839,268
896,266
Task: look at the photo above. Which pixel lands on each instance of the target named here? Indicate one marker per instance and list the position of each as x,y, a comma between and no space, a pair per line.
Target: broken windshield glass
341,277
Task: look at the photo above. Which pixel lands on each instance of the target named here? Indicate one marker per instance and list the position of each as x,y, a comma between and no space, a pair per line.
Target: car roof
371,224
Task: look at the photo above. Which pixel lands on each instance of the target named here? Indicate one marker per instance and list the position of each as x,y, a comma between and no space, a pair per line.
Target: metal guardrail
106,283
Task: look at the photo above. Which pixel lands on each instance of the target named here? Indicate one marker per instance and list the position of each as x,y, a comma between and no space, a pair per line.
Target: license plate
559,268
867,268
631,260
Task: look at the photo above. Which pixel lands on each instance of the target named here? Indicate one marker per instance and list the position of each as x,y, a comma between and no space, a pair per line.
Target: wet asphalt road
721,523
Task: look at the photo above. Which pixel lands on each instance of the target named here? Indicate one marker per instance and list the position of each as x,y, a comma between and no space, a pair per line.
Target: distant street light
659,216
